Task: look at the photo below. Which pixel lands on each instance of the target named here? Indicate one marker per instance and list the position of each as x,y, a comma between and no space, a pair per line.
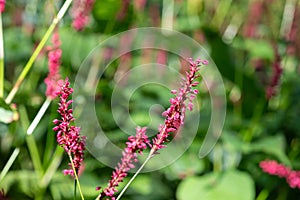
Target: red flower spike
67,135
175,114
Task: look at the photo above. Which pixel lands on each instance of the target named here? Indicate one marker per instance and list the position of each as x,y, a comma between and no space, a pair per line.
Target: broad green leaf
233,185
273,145
188,164
142,184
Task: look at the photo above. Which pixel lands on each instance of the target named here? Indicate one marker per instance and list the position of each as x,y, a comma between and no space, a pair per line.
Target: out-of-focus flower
2,6
80,12
53,79
175,114
68,135
293,179
272,167
135,144
275,78
255,13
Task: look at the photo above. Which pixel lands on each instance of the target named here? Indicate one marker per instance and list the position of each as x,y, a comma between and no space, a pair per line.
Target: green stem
1,60
220,14
36,52
9,163
263,195
39,116
34,153
55,162
76,177
167,14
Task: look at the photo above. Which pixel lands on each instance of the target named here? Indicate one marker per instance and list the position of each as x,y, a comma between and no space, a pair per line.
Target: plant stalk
55,162
36,52
34,154
76,177
39,116
9,163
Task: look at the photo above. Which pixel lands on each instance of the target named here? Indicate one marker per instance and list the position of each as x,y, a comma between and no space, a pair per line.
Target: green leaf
273,145
188,164
233,185
260,49
142,184
22,181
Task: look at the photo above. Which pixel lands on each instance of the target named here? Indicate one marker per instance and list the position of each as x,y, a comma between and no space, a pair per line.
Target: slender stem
135,175
34,153
1,60
36,52
39,116
9,163
263,195
167,14
76,177
55,162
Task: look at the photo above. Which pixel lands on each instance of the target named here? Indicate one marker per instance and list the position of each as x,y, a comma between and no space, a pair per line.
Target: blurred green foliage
242,37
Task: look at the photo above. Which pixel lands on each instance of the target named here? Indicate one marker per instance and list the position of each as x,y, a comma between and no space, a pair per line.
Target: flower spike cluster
53,78
135,144
175,114
68,135
274,168
81,10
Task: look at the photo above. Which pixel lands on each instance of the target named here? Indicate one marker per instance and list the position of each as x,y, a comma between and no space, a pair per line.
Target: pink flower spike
53,81
135,144
273,168
175,114
80,12
67,135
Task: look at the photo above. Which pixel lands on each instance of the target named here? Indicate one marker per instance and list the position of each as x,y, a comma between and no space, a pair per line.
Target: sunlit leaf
233,185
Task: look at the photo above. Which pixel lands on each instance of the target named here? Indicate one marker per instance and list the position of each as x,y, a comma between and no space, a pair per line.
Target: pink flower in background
276,74
256,10
293,179
80,12
272,167
68,135
53,79
175,114
2,6
135,144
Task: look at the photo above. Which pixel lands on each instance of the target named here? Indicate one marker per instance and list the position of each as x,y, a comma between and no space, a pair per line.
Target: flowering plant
57,58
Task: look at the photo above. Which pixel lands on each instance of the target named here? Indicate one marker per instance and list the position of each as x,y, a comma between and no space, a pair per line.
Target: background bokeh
254,43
